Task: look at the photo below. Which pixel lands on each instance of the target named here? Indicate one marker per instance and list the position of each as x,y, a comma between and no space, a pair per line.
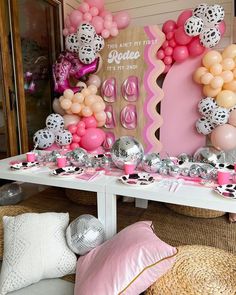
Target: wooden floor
171,227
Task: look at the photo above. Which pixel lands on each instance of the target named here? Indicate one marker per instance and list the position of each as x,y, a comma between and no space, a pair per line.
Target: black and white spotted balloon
43,138
98,43
204,126
63,137
199,11
219,116
55,122
86,33
193,26
210,37
72,43
87,54
206,106
213,15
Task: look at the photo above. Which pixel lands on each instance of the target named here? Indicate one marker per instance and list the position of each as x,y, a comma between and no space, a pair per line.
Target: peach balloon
70,119
69,112
78,98
224,137
99,98
209,91
216,69
101,123
81,84
75,108
68,94
66,104
93,89
230,51
206,78
234,73
226,99
94,80
85,92
90,99
86,111
232,118
98,107
210,58
228,64
100,116
230,86
217,82
61,98
227,76
198,74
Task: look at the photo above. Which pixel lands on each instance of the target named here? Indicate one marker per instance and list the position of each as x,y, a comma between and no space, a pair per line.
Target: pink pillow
127,264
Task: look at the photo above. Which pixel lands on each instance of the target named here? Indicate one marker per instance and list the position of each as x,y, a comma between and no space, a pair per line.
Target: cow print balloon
87,54
55,122
43,138
204,126
193,26
199,11
213,15
206,105
72,43
210,37
86,34
219,116
98,43
63,137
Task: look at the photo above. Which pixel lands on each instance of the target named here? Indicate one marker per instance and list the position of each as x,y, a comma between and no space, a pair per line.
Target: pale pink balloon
97,22
107,24
76,18
94,80
105,33
104,13
66,104
70,119
84,7
74,145
86,112
72,128
195,48
222,28
57,107
100,116
90,122
72,30
76,138
67,22
180,53
96,3
122,19
92,139
108,17
169,26
232,118
181,37
186,14
65,32
224,137
87,16
114,32
94,11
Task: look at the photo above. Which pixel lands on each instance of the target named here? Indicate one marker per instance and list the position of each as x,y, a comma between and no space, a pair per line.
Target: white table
195,196
97,185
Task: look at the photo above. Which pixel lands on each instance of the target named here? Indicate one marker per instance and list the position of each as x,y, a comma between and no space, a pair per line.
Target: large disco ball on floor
85,233
126,149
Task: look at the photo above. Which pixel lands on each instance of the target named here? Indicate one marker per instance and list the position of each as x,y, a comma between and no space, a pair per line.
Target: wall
145,12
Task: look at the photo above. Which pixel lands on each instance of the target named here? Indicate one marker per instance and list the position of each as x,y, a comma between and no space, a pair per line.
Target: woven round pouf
198,270
81,197
194,212
13,210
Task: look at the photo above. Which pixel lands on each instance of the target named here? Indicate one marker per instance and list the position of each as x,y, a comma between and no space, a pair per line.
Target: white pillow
34,249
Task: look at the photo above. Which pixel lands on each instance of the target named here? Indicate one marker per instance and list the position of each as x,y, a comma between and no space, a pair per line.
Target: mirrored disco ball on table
126,149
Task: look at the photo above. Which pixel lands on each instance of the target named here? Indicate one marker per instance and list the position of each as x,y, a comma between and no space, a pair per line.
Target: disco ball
10,194
126,149
151,163
84,234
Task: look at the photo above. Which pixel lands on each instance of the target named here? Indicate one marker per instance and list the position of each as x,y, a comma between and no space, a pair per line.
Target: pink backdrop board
179,110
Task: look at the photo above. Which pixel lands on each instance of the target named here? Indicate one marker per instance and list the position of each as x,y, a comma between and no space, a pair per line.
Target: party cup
61,161
129,167
30,157
223,177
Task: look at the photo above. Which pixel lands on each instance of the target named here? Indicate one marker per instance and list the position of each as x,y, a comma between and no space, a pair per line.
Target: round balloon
224,137
213,15
199,11
219,116
92,139
57,107
55,122
210,37
70,119
43,138
63,137
206,105
226,99
193,26
87,54
72,43
86,33
204,126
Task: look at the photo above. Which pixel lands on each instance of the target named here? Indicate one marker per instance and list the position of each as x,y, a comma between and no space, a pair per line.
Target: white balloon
87,54
210,37
72,43
213,15
219,116
199,11
206,106
98,43
63,137
204,126
193,26
86,34
55,122
43,138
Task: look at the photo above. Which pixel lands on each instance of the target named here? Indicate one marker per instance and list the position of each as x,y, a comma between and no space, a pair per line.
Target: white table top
188,195
43,177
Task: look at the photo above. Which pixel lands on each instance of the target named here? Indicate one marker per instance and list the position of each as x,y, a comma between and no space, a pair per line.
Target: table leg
111,215
101,207
141,203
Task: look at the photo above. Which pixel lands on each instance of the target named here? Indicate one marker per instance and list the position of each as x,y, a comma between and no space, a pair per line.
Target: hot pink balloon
96,3
53,147
222,27
76,138
186,14
92,139
81,124
97,22
195,48
74,145
169,26
122,19
90,122
76,18
180,53
224,137
72,128
70,119
81,132
181,37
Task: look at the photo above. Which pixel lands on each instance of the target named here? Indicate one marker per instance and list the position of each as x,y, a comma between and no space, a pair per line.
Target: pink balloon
74,145
169,26
84,7
97,22
81,131
81,125
76,18
72,30
122,19
107,24
232,118
70,119
181,37
105,33
172,43
90,122
186,14
76,138
94,11
168,50
165,44
72,128
195,48
114,32
169,35
53,147
65,32
222,27
67,22
96,3
160,54
224,137
108,17
92,139
98,151
87,17
168,60
94,80
180,53
104,13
